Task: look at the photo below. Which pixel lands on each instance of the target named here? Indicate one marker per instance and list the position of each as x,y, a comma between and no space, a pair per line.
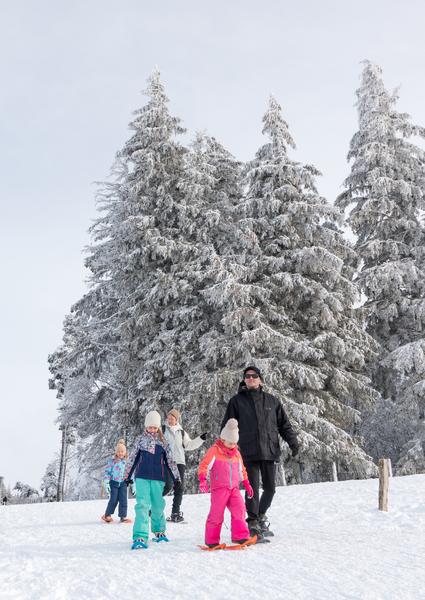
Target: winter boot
160,537
107,518
176,517
253,526
255,529
138,544
264,525
217,545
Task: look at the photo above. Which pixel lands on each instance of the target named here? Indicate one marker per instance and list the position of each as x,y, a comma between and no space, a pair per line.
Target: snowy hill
331,542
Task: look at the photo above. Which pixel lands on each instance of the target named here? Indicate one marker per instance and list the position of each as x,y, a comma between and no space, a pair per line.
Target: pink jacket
224,467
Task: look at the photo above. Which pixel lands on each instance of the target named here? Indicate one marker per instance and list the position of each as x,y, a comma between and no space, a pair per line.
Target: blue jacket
150,459
115,470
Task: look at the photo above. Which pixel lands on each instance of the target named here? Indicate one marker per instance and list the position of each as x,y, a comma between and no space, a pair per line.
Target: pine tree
49,482
148,244
291,308
24,492
106,368
211,187
385,195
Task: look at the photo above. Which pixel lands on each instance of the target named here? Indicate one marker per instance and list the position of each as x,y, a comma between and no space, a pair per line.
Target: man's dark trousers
256,506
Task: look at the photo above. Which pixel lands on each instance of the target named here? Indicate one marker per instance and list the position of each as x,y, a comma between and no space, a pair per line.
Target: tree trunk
61,476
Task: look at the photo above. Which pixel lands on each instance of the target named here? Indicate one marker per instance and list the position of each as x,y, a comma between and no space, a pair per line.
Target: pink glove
203,485
248,488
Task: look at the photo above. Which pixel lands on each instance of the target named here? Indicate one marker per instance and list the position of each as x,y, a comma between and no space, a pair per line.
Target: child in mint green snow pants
149,460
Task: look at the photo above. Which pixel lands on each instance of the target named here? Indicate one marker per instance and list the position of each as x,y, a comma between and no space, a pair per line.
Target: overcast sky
71,74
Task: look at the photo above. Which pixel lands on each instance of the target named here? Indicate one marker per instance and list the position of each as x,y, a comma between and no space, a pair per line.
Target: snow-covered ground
331,542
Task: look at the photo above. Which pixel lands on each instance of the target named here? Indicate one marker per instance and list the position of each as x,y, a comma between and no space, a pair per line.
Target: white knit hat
230,432
153,419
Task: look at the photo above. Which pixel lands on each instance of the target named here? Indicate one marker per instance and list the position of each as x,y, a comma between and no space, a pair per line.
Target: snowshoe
212,547
139,544
160,537
241,544
262,540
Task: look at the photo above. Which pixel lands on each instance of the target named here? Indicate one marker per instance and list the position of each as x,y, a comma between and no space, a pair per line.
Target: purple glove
203,486
248,488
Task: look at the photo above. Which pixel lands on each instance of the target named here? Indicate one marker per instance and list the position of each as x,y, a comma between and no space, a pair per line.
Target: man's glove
203,485
177,485
128,481
248,488
107,487
203,436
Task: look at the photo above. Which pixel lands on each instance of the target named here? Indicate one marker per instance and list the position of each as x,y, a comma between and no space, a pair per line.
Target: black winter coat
260,443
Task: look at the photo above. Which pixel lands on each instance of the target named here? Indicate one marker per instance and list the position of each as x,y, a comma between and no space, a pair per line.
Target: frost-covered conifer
211,188
107,368
291,310
385,197
49,482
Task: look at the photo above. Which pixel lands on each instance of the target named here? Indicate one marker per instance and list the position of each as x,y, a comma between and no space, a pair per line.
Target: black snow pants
256,506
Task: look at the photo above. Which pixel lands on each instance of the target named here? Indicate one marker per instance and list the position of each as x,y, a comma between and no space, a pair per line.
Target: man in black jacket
261,420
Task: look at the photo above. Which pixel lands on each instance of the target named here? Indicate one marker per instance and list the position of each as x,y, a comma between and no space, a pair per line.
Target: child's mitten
248,488
203,485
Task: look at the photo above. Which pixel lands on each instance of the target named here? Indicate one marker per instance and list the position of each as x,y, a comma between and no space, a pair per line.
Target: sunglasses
251,376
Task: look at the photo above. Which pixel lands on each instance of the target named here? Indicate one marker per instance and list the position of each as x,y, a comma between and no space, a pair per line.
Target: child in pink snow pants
224,466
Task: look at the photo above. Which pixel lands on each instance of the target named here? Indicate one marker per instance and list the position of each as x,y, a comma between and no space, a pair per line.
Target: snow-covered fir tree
115,331
23,492
49,482
385,197
290,309
143,245
211,187
3,492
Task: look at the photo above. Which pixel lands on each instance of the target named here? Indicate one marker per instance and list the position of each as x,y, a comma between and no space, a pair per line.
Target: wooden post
334,472
283,474
61,476
383,484
300,471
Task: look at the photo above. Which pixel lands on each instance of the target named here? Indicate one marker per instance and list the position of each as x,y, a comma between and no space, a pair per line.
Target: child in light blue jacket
114,486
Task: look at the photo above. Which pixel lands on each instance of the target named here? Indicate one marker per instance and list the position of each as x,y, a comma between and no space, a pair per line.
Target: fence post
61,475
334,472
300,471
282,470
383,484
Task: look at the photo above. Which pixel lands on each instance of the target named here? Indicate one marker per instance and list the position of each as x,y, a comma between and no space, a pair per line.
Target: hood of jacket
174,428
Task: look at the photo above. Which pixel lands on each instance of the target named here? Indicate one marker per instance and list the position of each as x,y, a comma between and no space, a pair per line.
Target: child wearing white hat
149,460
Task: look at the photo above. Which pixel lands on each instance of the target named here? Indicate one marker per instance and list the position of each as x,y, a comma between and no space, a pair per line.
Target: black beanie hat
255,369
